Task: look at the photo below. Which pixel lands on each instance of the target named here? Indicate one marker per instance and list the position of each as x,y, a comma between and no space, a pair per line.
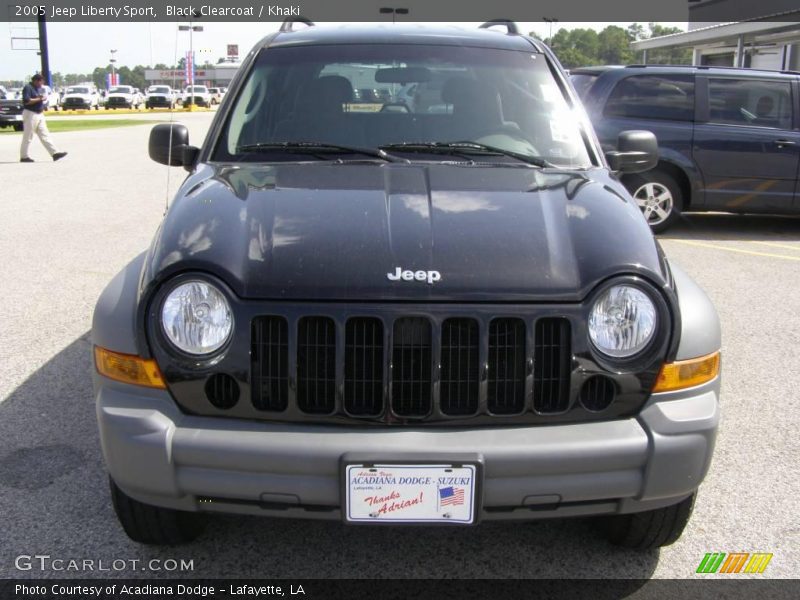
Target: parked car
215,94
3,92
397,317
81,97
160,96
728,138
196,94
11,113
123,96
53,98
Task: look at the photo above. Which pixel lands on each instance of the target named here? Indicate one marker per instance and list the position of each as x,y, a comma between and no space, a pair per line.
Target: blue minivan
729,139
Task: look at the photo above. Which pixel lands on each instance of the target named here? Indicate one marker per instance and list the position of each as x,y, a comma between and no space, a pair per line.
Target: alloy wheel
655,201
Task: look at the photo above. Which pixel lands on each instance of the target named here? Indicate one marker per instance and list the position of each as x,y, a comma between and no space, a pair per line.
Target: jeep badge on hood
430,276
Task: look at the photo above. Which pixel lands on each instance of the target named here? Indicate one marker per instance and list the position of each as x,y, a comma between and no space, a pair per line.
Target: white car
196,94
123,96
53,98
160,96
216,95
81,96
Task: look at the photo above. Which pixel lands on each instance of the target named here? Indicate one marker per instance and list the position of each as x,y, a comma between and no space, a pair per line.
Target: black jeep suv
729,139
435,311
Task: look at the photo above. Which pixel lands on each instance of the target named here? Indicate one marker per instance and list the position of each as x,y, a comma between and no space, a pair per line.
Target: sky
153,43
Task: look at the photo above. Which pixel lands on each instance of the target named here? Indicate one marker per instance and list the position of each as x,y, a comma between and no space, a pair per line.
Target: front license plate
410,493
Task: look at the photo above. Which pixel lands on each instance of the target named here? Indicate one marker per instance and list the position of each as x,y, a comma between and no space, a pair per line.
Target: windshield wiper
319,149
466,148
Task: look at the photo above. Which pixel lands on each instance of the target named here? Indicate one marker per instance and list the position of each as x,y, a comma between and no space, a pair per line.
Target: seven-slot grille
364,365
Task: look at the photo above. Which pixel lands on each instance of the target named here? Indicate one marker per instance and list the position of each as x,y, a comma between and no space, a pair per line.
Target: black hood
332,231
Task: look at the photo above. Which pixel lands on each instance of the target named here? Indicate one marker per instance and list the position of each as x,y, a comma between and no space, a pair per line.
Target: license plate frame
387,501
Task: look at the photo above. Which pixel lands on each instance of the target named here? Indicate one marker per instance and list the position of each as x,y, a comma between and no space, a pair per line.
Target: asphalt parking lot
68,227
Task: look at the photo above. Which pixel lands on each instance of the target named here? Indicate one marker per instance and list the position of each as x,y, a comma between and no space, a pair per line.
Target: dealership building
768,37
215,76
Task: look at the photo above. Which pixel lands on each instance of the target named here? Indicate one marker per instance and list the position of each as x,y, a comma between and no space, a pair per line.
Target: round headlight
196,318
622,322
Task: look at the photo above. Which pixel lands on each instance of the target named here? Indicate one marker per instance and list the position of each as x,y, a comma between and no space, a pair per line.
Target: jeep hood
334,231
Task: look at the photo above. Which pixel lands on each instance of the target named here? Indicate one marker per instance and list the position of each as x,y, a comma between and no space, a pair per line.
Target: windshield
374,96
120,90
78,90
158,90
196,88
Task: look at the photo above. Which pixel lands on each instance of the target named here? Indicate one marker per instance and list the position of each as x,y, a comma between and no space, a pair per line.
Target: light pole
112,60
550,20
190,71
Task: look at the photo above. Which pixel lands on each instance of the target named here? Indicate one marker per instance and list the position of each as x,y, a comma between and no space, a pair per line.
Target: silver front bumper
161,456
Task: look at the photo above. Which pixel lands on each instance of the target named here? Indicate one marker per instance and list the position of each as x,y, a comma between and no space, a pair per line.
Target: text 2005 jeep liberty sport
402,284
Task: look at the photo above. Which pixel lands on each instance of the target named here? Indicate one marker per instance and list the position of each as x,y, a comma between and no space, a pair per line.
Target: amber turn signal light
128,368
687,373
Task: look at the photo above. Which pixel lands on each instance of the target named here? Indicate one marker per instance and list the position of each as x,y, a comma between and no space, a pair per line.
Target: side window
750,102
653,97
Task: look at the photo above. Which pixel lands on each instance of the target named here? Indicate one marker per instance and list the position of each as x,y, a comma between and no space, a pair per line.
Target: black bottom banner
389,589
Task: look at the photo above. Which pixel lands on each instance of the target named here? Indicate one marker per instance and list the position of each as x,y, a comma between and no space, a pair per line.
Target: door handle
784,143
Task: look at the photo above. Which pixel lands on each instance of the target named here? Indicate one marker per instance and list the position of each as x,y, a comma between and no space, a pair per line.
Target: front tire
154,525
658,196
650,529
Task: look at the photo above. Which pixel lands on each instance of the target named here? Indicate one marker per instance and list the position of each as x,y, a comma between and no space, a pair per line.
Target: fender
701,333
114,320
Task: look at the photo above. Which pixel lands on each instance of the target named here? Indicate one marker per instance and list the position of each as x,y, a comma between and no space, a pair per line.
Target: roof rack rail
288,23
510,26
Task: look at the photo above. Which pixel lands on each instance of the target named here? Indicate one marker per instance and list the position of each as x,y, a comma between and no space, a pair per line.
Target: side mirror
169,145
636,151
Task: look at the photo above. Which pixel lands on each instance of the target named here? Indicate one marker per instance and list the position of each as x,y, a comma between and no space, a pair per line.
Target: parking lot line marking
750,252
777,245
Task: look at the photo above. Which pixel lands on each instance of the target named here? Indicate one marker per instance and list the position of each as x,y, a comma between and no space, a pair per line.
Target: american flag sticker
451,496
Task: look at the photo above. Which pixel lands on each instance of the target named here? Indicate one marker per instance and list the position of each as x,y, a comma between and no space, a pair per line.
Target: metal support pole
739,58
644,56
45,54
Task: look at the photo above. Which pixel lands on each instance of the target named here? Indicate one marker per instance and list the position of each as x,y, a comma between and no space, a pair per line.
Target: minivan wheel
650,529
659,197
154,525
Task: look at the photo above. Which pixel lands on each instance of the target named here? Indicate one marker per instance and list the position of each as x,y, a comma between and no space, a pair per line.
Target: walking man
34,100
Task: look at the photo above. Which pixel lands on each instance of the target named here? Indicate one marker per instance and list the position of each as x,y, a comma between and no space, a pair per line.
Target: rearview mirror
636,151
169,145
403,75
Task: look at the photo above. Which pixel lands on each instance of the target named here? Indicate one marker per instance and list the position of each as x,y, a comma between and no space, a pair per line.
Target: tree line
612,46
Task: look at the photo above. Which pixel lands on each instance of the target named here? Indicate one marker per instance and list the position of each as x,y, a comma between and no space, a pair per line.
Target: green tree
576,48
636,31
667,56
614,46
99,76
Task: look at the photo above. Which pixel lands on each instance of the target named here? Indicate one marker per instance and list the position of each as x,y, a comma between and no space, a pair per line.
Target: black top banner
707,11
